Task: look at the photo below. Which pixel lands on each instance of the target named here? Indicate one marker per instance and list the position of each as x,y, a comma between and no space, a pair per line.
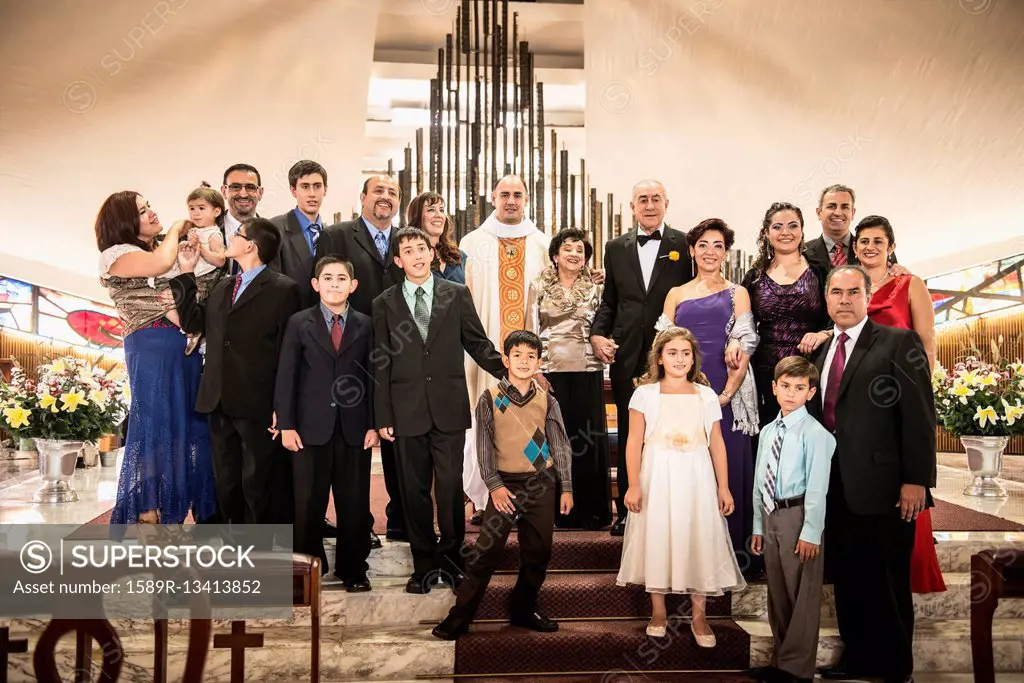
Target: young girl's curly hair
655,371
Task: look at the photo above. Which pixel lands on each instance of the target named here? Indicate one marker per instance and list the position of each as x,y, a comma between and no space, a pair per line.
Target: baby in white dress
206,209
677,539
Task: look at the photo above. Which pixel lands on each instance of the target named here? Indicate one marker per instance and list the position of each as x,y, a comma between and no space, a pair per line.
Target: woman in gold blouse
560,309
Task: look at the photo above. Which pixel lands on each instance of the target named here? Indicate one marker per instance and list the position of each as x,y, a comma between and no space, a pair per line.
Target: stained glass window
79,321
15,304
989,287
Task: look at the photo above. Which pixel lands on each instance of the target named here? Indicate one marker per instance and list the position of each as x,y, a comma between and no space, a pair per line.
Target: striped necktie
771,475
839,255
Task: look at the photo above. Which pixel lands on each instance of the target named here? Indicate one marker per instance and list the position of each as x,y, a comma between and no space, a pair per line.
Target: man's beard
243,213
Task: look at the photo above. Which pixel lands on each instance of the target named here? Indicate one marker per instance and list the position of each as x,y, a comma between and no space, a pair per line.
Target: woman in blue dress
167,469
717,312
427,212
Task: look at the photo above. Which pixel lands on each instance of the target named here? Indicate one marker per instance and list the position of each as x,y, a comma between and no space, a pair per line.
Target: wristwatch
727,394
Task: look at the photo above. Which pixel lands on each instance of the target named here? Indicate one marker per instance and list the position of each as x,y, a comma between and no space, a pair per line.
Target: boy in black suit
324,404
422,326
244,320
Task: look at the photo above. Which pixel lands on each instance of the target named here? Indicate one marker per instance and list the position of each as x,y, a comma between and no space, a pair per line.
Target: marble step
940,645
389,605
954,603
376,654
954,550
407,653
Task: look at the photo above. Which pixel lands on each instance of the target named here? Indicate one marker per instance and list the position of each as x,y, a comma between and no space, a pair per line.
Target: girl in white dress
677,540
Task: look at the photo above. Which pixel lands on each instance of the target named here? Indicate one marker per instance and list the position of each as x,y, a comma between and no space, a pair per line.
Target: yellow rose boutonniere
673,256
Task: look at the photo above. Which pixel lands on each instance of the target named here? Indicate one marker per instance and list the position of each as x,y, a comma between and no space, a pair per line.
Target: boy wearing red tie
324,402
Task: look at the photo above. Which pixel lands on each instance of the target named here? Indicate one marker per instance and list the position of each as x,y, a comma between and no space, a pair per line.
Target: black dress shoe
534,621
452,579
329,530
765,674
419,584
841,672
374,541
396,535
360,585
619,528
451,628
477,519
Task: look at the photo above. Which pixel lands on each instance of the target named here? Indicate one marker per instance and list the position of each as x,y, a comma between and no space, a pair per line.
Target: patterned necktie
835,378
314,236
420,313
838,255
336,332
382,244
238,285
771,475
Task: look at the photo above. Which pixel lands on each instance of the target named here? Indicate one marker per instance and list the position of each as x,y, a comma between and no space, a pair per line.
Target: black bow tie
642,239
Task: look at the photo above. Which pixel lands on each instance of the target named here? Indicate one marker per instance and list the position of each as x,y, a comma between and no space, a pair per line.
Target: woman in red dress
902,301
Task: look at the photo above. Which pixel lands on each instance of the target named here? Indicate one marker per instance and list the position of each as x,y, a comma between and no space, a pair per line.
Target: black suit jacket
294,259
351,241
423,385
318,387
885,419
243,340
628,311
817,254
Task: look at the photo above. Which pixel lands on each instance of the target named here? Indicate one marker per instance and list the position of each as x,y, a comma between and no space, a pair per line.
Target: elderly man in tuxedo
876,398
640,268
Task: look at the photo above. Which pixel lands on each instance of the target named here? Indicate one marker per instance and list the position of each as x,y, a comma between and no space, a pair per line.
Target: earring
693,265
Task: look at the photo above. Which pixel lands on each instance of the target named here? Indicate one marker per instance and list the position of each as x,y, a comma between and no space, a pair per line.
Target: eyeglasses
249,187
243,236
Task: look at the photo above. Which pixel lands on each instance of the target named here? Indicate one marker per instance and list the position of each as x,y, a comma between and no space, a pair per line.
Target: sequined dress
784,314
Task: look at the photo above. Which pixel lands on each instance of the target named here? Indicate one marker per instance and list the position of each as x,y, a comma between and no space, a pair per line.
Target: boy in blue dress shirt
791,477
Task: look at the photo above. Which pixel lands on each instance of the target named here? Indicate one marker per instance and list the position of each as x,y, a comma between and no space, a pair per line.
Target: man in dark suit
422,328
835,245
876,397
302,227
366,243
244,320
640,268
324,405
243,190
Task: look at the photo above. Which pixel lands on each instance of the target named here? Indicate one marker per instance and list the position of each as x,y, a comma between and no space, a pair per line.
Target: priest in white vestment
503,255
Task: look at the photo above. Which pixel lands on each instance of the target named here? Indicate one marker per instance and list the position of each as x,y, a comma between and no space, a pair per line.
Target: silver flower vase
985,462
57,459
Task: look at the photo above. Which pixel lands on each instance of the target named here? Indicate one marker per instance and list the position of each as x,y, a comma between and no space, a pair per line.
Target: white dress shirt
853,333
648,254
231,226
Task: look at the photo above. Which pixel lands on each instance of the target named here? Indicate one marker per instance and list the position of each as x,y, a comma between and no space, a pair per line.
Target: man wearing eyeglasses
243,191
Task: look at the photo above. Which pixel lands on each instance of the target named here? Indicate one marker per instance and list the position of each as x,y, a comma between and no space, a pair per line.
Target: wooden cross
238,641
8,646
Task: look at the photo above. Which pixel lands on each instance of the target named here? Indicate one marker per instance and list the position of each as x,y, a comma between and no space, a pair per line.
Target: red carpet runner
601,625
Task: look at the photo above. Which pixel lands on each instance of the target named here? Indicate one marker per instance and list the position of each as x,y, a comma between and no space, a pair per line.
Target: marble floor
96,487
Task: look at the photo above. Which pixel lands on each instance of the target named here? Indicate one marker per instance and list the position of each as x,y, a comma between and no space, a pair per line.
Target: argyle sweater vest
519,437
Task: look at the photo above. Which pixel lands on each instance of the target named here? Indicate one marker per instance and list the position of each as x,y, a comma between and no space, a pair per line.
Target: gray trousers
794,593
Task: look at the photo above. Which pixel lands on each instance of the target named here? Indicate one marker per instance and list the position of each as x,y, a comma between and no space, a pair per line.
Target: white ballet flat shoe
655,631
708,641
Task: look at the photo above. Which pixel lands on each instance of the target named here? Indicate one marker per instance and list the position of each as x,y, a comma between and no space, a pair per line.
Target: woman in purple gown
717,311
787,297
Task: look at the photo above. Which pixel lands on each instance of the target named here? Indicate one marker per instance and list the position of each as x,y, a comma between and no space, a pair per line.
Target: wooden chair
995,574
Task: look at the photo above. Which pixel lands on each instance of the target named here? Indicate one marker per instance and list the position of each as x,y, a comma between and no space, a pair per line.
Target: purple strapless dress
708,319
